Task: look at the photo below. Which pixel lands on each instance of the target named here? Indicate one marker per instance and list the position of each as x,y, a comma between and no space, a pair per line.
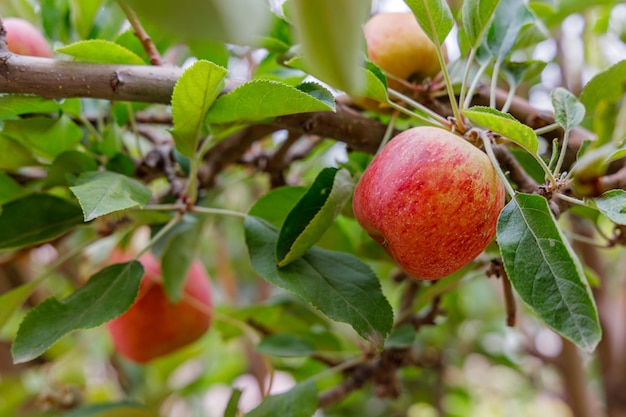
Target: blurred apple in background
23,38
399,46
154,326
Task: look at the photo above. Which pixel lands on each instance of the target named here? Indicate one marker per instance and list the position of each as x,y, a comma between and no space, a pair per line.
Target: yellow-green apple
154,326
431,200
23,38
399,46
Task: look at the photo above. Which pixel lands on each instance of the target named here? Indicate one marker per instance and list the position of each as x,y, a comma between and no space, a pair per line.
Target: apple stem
494,84
194,209
450,89
572,200
559,163
388,131
546,129
466,73
223,212
441,121
509,99
494,161
474,84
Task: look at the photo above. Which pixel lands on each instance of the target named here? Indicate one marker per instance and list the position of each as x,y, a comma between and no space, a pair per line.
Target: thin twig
146,41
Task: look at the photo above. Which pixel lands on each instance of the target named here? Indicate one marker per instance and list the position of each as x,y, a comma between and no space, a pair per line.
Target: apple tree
295,208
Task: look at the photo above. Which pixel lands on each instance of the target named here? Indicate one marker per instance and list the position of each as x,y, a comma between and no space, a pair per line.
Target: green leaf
285,345
332,40
300,401
261,99
83,13
612,204
45,136
35,219
606,86
518,72
338,284
232,407
9,188
313,214
101,51
376,82
545,271
476,17
276,205
504,124
180,252
194,92
14,155
67,165
234,21
508,20
121,409
12,105
106,295
11,301
104,192
434,16
568,111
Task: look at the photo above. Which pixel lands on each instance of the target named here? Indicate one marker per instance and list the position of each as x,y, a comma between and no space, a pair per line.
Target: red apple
25,39
153,326
431,200
399,46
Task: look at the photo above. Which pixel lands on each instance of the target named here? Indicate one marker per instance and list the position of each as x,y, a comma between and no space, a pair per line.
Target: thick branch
64,79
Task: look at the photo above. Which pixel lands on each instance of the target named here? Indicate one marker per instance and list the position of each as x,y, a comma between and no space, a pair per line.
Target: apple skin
25,39
153,326
431,200
399,46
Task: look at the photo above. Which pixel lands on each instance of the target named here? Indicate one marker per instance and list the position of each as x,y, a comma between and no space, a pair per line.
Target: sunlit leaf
504,124
12,105
260,99
434,16
194,92
102,51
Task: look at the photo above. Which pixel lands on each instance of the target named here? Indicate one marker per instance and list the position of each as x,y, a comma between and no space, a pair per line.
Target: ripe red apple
25,39
431,200
153,326
399,46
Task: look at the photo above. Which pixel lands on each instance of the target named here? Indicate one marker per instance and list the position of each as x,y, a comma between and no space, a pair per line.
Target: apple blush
431,200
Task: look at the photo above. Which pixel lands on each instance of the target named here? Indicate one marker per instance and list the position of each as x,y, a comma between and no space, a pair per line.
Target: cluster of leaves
62,174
